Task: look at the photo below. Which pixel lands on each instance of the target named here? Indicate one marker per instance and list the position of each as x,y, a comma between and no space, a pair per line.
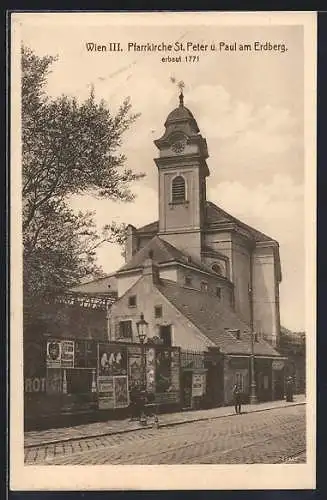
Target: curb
149,426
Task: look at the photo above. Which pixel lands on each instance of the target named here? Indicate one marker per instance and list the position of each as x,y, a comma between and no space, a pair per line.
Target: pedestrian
237,398
289,390
134,403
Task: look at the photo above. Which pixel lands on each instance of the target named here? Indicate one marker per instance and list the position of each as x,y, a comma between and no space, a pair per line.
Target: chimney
131,242
150,268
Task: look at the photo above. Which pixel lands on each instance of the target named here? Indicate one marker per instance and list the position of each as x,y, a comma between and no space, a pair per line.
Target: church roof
214,320
179,114
153,227
162,251
214,215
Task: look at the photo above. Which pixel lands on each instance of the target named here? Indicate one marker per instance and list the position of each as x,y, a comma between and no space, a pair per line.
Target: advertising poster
163,371
112,360
106,393
53,354
121,398
67,353
135,369
175,371
54,381
150,369
198,384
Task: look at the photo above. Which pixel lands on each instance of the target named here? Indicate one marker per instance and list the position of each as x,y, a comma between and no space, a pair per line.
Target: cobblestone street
272,436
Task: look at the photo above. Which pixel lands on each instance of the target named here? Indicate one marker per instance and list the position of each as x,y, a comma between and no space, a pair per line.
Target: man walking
289,390
237,398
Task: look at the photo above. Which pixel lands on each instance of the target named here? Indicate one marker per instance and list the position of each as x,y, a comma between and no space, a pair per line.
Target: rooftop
214,215
213,320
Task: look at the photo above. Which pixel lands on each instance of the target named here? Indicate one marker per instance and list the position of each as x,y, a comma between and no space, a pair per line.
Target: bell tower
182,172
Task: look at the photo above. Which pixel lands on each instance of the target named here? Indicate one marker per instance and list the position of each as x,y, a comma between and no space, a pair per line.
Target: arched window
216,269
178,190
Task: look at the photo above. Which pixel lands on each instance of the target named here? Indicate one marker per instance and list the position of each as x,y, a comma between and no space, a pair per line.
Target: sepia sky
249,107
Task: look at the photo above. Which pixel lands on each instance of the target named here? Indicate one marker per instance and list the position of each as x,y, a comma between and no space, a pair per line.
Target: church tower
182,170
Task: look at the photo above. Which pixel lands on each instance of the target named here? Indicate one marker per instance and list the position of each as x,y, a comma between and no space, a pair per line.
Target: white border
161,477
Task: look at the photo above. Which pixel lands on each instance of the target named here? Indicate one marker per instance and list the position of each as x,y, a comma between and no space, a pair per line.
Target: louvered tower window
178,189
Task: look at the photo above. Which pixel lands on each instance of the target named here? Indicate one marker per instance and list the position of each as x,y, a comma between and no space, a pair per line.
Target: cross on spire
181,86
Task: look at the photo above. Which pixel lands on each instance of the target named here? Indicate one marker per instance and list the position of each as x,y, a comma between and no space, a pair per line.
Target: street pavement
268,433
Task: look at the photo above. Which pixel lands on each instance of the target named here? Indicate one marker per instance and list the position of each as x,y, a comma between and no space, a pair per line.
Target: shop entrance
215,385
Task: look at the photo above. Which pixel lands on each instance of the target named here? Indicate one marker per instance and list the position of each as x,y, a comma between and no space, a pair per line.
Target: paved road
271,436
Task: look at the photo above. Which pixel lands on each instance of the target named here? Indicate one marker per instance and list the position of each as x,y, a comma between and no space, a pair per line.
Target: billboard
53,354
106,398
121,397
67,353
112,360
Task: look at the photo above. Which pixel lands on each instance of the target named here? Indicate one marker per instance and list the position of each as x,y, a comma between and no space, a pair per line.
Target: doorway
165,334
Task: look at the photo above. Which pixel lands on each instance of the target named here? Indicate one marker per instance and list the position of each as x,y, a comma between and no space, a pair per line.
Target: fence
192,359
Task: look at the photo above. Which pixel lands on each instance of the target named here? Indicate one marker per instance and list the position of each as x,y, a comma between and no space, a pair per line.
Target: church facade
202,279
220,252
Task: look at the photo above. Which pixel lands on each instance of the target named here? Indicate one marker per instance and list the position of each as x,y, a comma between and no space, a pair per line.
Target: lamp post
253,388
142,331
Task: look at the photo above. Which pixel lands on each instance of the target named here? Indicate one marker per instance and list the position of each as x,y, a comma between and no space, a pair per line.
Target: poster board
105,393
151,369
121,395
67,353
135,366
198,384
53,354
112,360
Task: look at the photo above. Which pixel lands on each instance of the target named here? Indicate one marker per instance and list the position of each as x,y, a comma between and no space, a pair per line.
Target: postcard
163,328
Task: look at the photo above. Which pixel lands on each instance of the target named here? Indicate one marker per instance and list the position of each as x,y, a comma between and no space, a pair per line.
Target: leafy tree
68,147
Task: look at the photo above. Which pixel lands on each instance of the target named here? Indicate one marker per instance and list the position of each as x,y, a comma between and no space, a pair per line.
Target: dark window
218,292
216,269
158,311
204,286
132,301
239,380
125,329
165,334
188,280
178,190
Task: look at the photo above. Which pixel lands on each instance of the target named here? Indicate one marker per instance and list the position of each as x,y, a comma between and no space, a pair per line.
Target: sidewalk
50,436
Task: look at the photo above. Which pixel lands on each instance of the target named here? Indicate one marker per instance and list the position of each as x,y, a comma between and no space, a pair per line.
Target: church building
202,279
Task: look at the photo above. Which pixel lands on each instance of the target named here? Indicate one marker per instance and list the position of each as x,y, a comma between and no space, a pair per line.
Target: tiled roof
211,318
153,227
162,251
213,215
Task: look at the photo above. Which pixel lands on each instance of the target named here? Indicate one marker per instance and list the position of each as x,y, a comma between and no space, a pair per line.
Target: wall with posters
99,375
112,376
